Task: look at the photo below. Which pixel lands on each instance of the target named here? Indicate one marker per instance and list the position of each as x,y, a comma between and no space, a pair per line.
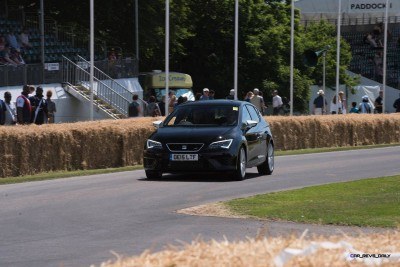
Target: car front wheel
267,167
240,172
153,174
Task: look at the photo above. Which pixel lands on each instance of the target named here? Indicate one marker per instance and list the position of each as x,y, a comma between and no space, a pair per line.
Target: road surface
79,221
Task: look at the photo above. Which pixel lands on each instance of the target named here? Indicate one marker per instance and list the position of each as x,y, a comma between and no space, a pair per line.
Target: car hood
191,134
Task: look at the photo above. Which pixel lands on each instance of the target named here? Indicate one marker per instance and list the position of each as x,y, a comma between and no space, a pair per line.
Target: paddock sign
370,6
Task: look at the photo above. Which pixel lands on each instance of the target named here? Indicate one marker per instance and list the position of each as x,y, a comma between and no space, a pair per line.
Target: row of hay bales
340,250
104,144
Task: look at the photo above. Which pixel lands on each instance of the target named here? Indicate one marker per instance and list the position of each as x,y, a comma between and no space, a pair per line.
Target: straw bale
274,251
301,132
33,149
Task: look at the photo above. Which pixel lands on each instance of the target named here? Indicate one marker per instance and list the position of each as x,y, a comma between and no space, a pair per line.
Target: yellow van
180,83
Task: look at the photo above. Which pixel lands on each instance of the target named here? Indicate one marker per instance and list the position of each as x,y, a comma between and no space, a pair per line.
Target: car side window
253,113
245,115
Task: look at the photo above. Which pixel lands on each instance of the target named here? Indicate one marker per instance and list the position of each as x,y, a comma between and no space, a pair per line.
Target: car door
251,137
259,130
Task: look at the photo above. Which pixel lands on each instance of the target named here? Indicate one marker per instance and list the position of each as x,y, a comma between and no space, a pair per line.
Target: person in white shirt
342,100
336,106
11,112
276,103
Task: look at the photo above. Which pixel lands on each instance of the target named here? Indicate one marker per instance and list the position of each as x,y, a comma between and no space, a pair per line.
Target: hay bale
334,130
33,149
273,251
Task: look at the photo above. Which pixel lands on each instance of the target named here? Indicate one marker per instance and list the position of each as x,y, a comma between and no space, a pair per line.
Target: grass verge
64,174
370,202
328,149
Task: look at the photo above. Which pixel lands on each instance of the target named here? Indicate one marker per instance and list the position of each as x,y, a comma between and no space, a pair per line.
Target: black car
208,136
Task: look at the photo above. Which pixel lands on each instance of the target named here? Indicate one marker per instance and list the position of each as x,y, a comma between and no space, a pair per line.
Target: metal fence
27,74
78,75
52,72
352,21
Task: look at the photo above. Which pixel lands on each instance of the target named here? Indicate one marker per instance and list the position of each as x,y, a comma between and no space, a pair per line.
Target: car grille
184,147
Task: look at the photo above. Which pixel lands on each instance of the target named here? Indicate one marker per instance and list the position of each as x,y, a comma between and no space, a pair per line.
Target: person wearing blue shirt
205,95
354,108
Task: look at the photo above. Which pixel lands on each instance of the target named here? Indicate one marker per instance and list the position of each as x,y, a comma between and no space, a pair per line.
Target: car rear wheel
240,172
153,174
267,167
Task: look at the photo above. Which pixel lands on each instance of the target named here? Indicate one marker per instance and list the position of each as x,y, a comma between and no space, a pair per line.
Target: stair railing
77,75
105,78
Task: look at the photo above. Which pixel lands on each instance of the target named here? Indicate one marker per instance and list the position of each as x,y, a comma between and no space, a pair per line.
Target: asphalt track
79,221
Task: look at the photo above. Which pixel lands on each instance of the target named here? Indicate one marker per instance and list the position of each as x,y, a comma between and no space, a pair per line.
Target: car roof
215,102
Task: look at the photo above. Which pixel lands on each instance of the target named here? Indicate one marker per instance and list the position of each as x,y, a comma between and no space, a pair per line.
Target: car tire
240,172
153,175
267,167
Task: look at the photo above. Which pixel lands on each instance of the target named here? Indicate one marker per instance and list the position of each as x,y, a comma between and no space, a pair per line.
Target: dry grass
274,251
32,149
212,209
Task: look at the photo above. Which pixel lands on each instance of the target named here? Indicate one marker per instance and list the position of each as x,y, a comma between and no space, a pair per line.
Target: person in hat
205,95
320,103
231,95
365,107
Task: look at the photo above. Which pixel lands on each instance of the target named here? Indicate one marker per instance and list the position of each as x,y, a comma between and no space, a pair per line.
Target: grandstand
66,70
363,54
54,48
355,25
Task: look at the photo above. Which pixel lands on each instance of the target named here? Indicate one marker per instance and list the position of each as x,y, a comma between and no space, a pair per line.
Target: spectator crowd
152,108
31,107
280,105
12,47
339,106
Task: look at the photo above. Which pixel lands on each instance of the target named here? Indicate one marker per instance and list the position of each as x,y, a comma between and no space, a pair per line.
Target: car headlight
153,144
225,144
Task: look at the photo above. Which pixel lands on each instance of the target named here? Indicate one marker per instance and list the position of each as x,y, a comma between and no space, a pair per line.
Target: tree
202,42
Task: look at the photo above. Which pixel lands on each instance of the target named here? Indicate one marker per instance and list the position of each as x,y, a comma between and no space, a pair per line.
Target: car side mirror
158,124
249,124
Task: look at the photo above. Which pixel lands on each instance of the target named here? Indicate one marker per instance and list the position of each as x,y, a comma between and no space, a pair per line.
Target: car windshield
202,115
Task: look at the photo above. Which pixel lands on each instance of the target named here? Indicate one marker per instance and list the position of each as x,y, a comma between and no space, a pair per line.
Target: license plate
184,157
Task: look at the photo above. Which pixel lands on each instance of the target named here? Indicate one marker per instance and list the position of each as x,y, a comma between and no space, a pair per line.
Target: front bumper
207,161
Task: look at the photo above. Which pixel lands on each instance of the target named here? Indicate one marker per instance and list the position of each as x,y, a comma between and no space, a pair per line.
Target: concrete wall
70,109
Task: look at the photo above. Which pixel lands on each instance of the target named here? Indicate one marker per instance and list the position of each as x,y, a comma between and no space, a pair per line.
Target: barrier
33,149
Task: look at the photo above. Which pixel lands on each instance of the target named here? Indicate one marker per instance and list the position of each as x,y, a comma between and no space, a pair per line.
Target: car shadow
212,177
